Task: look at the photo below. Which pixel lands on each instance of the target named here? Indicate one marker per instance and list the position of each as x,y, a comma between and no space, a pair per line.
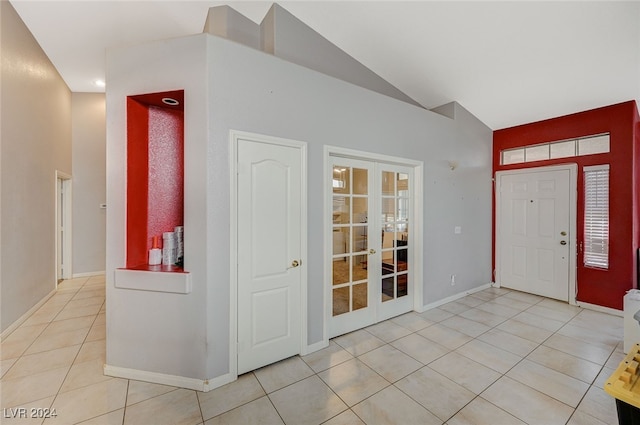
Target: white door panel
534,232
269,240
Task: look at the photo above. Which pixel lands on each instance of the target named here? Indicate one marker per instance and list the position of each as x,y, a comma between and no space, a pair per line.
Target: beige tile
309,401
555,384
512,303
562,362
85,302
71,284
602,377
68,325
499,309
58,340
112,418
445,336
464,371
466,326
179,407
481,316
93,350
101,319
89,402
546,323
358,342
41,362
89,293
526,331
84,374
437,393
228,397
527,404
283,373
18,391
327,357
485,295
97,333
481,412
552,312
454,307
24,415
488,355
353,381
5,365
412,321
44,315
600,405
420,348
14,345
345,418
388,331
524,297
391,407
140,391
435,314
590,336
615,359
390,363
470,301
580,418
602,322
508,342
594,353
70,313
260,411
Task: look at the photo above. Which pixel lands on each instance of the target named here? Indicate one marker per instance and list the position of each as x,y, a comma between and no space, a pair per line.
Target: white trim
87,274
156,378
219,381
454,297
308,349
417,223
68,239
234,136
12,327
573,216
600,308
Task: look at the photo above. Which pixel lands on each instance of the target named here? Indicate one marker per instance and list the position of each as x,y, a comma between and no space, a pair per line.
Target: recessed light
170,101
99,83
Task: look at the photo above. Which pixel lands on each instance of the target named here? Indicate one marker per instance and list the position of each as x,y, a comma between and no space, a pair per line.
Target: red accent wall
601,287
155,171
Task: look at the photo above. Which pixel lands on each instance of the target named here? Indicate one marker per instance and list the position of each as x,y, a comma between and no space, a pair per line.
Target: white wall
230,86
35,142
89,182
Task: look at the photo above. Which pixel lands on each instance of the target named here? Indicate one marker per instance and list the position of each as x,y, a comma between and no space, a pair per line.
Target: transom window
554,150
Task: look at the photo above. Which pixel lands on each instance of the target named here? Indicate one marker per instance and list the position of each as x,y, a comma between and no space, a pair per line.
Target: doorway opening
63,237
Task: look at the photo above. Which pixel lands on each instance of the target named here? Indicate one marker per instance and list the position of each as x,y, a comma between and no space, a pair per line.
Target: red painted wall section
595,286
155,171
137,182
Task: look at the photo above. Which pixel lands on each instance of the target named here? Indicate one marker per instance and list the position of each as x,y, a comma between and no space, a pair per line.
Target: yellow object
623,384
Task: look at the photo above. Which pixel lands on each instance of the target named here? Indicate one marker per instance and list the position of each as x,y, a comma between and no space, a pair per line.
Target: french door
371,251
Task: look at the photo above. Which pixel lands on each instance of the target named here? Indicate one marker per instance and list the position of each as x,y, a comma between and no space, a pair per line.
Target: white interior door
535,232
270,267
370,250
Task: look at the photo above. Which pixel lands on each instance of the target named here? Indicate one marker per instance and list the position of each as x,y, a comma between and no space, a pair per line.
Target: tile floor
496,357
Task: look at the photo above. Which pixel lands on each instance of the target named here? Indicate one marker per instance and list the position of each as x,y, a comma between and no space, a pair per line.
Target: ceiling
507,62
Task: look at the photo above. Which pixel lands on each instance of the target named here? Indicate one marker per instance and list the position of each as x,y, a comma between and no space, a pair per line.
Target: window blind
596,216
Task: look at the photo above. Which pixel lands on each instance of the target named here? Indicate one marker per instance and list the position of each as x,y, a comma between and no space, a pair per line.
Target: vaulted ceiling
508,62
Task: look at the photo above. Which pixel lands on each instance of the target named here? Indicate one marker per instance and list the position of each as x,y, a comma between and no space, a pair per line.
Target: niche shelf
155,188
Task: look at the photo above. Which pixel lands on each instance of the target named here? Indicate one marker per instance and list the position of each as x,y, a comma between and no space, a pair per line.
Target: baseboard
157,378
600,308
87,274
219,381
12,327
308,349
454,297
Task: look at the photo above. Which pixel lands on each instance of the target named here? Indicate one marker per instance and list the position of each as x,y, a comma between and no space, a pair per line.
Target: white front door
270,267
371,255
534,231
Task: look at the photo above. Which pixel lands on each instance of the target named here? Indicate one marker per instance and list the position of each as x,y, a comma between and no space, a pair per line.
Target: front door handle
294,264
563,242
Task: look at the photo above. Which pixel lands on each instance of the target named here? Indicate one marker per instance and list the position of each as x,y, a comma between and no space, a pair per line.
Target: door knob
295,263
372,251
563,233
563,242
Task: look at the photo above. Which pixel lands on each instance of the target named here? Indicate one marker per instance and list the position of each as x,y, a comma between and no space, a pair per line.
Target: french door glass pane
341,179
395,227
360,182
341,268
341,300
341,210
360,293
